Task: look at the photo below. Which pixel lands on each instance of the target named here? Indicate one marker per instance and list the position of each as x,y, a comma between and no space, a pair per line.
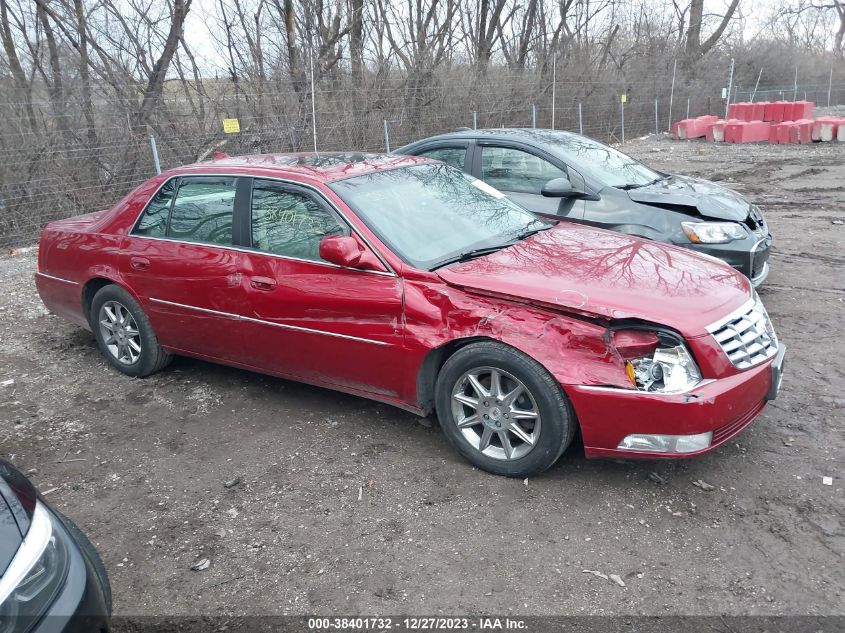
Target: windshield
432,214
611,167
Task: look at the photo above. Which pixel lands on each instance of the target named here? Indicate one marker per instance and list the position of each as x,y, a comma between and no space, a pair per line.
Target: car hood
17,502
701,196
608,275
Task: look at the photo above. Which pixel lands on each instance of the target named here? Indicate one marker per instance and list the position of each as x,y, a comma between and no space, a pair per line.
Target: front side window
428,214
289,223
452,156
516,171
202,211
153,222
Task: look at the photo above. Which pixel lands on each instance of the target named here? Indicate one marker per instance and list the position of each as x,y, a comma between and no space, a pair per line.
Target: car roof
537,136
321,166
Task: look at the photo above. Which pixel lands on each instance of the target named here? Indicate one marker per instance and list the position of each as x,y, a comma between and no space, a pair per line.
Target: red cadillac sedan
404,280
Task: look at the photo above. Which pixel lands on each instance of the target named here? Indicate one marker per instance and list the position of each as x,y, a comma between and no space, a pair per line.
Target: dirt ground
349,506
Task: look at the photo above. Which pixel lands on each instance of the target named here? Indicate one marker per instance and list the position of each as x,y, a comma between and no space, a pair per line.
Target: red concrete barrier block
710,130
751,132
783,131
758,111
801,110
801,131
732,110
718,129
826,128
693,128
776,112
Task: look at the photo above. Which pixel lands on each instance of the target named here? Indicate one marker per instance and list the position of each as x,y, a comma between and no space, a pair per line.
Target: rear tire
502,410
124,333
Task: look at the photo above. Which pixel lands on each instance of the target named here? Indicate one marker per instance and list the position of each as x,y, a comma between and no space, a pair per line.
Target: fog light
666,443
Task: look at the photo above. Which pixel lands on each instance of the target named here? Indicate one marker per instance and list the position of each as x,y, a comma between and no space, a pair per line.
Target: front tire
502,410
124,333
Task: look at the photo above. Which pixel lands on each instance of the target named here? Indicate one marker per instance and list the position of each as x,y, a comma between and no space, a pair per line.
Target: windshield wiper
628,186
465,256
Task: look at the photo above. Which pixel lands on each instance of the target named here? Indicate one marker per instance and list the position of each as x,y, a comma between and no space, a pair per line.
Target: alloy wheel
496,413
120,332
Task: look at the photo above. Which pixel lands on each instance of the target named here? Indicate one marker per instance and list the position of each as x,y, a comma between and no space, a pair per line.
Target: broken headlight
713,232
656,362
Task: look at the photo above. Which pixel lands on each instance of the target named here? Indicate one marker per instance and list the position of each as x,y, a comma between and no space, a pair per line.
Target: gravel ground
349,506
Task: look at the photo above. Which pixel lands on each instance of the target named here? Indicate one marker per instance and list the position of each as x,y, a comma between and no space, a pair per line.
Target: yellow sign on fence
231,126
623,98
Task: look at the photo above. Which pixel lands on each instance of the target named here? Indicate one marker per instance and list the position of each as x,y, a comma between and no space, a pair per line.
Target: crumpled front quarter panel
572,349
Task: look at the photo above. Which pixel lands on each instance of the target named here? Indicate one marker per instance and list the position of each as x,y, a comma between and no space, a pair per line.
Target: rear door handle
262,283
139,263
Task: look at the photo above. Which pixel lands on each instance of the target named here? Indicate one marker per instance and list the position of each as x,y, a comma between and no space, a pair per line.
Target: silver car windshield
432,215
611,167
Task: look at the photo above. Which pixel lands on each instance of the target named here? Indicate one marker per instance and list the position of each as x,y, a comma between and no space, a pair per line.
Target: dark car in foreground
404,280
569,176
51,577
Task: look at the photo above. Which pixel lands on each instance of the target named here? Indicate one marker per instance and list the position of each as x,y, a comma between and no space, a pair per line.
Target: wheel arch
94,285
433,362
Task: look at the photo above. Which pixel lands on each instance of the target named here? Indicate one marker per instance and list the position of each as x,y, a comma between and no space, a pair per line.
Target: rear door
308,318
181,262
520,174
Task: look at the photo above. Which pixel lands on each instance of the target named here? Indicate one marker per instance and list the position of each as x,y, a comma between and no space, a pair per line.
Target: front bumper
723,407
749,256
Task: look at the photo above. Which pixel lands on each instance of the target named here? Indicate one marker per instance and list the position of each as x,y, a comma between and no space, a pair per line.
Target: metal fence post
656,129
795,94
554,86
687,107
672,93
474,120
622,110
313,102
730,85
386,136
154,147
580,120
533,115
829,86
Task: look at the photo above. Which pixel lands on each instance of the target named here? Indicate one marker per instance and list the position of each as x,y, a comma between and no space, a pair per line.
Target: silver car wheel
496,413
120,332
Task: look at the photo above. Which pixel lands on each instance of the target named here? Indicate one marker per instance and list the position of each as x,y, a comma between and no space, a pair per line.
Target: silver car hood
707,198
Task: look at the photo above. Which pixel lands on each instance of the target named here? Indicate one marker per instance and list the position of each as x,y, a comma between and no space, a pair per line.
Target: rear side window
290,223
202,211
513,170
154,220
452,156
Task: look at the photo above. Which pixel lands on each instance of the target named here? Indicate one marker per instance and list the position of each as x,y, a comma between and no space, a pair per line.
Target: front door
180,263
310,319
521,175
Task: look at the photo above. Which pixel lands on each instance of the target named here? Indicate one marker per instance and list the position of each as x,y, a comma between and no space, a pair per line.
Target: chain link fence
63,164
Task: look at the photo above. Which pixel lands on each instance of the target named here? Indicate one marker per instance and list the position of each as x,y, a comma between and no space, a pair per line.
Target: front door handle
139,263
262,283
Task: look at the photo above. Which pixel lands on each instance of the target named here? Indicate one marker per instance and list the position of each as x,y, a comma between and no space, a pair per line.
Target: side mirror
558,188
346,251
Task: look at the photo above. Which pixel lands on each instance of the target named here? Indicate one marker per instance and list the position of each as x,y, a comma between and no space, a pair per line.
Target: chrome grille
746,336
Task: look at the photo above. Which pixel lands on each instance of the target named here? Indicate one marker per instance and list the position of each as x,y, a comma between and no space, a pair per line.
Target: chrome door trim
54,278
296,328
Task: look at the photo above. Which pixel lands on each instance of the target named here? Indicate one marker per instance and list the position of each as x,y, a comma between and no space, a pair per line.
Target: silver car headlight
36,574
656,361
714,232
